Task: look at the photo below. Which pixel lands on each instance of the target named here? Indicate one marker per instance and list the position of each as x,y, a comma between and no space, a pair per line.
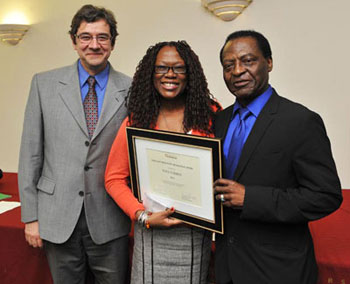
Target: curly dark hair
143,100
90,13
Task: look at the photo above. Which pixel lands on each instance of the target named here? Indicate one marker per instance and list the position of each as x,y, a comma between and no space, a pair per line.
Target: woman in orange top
169,92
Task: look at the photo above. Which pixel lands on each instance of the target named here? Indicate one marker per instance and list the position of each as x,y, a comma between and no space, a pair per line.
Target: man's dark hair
144,101
262,42
90,14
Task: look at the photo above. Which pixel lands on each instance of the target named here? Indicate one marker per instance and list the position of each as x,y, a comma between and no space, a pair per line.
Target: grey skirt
171,255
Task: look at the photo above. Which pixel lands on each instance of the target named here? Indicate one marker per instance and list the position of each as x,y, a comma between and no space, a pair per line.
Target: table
331,236
20,263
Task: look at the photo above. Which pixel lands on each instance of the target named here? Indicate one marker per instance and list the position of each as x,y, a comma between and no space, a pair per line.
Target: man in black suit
280,174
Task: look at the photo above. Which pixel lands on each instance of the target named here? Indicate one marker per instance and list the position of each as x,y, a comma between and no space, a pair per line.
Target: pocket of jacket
46,185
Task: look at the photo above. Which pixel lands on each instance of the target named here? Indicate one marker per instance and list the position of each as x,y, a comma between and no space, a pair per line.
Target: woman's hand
161,219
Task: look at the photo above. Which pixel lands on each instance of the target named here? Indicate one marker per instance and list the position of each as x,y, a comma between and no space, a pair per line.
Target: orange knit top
117,173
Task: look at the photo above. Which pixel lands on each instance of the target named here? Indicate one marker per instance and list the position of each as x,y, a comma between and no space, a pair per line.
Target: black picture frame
212,149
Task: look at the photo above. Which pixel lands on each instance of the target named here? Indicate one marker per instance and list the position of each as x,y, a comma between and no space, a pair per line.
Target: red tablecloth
19,263
331,237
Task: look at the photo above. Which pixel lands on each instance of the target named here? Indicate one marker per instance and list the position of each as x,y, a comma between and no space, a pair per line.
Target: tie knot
91,81
243,113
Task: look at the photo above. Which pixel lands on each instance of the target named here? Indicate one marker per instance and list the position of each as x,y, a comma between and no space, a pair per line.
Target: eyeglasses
87,38
161,69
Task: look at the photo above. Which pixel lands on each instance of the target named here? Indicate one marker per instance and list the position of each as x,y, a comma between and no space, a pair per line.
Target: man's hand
31,232
232,192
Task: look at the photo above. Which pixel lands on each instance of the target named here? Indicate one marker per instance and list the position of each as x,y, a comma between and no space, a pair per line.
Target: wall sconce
226,10
12,33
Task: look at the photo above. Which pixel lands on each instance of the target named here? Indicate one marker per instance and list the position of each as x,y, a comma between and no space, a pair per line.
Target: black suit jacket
290,178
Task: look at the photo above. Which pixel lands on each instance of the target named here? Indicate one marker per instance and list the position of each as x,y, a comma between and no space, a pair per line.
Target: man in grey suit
72,116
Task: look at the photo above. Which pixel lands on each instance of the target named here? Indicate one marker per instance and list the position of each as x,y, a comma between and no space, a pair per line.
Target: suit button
232,240
86,168
81,193
87,143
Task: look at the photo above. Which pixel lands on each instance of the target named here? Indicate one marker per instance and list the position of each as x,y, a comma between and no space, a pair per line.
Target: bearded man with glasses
71,119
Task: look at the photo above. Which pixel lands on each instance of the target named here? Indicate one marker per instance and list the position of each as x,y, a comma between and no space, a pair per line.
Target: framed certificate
177,170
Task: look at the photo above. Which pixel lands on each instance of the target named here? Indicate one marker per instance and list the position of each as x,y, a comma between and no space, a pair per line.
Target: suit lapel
69,90
262,123
222,122
113,100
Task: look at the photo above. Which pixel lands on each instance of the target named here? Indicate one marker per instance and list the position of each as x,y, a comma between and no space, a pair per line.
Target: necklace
169,125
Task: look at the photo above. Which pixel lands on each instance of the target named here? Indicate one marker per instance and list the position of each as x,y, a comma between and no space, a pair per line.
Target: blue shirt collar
257,104
101,78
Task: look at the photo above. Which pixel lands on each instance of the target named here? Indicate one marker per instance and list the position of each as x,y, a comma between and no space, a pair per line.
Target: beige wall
310,44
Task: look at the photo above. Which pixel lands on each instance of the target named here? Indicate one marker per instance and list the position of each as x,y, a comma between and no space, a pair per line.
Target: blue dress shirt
100,87
255,108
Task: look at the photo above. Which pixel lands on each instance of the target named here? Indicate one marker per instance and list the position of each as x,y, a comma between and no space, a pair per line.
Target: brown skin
161,219
232,191
246,74
170,87
245,69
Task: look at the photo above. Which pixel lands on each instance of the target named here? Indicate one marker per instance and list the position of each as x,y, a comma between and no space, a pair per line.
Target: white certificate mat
177,170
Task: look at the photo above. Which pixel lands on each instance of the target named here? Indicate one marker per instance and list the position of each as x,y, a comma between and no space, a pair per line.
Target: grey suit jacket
60,169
